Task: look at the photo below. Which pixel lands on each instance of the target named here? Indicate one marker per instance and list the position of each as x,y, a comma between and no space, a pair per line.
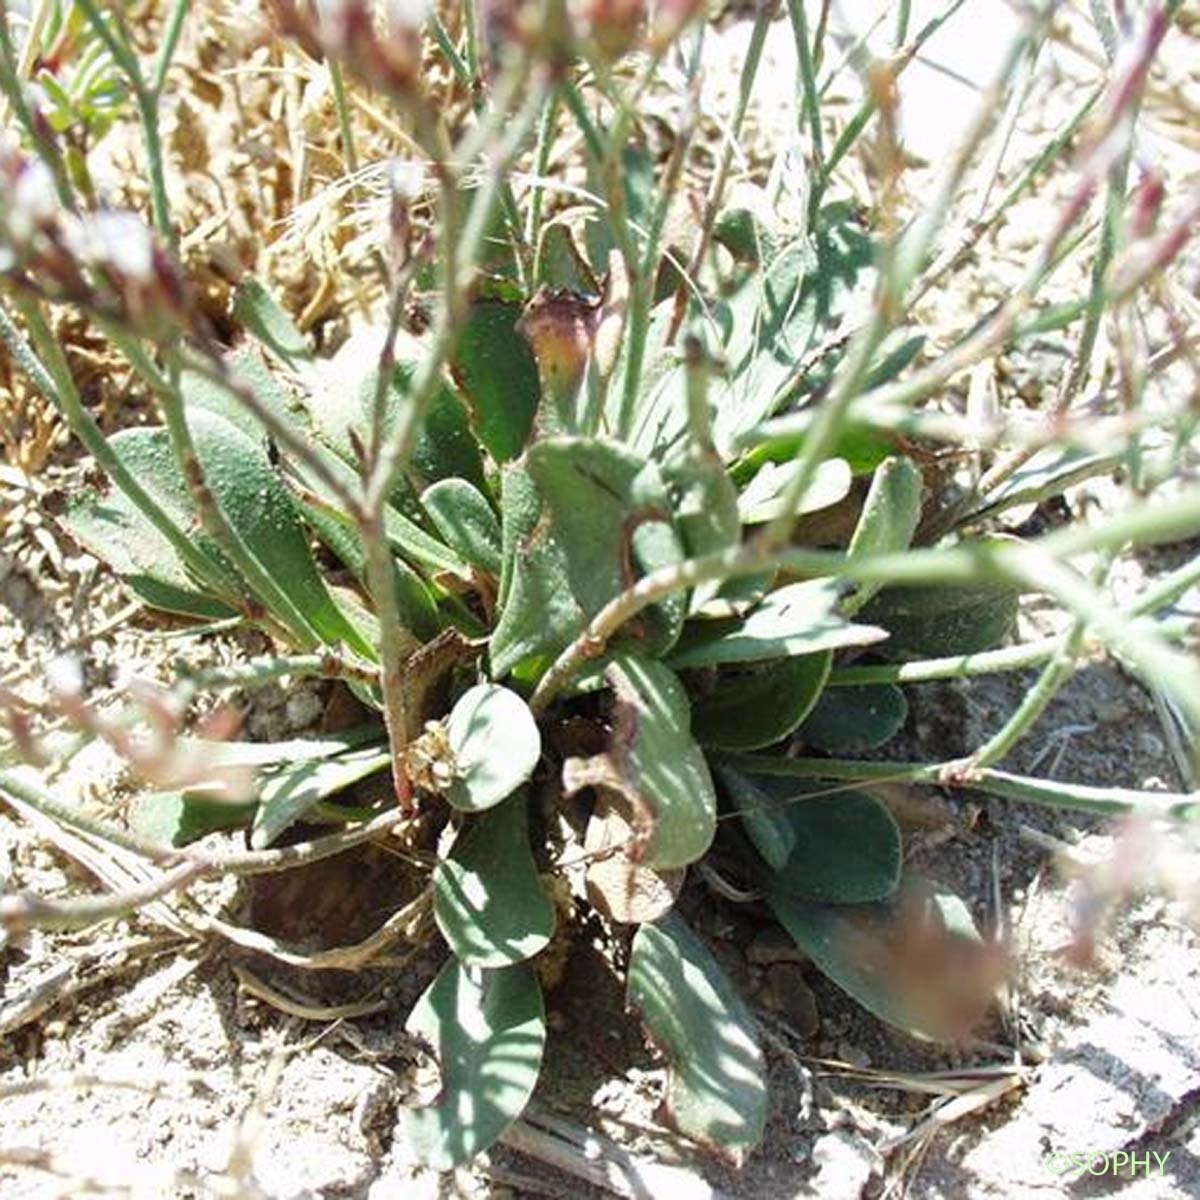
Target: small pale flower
117,240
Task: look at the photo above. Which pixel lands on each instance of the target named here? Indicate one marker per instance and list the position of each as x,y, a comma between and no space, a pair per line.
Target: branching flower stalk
460,253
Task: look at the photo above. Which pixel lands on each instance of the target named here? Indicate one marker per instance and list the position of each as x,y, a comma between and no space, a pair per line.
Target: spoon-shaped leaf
762,499
756,708
764,818
488,1031
288,795
932,622
846,848
847,719
916,961
801,618
889,518
716,1087
496,372
496,745
466,521
488,901
653,769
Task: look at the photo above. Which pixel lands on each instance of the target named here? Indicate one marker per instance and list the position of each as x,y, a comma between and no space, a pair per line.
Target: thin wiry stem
811,105
460,250
1111,801
146,97
764,14
1037,567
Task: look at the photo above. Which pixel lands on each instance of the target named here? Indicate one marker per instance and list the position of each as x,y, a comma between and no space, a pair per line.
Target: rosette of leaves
536,495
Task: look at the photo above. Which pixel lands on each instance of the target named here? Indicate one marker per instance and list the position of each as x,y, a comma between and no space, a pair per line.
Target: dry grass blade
409,923
598,1160
253,986
121,871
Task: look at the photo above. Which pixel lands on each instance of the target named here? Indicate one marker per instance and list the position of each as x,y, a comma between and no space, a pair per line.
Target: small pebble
786,991
853,1055
303,709
773,945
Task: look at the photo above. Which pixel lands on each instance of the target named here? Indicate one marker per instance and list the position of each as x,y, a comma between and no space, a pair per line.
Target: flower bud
670,19
1147,203
561,329
612,26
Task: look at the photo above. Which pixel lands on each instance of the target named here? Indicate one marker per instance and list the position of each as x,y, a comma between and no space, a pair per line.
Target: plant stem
261,671
1037,566
967,666
460,252
349,148
147,99
169,45
854,127
25,911
541,164
811,108
1056,672
763,14
1111,801
12,89
73,817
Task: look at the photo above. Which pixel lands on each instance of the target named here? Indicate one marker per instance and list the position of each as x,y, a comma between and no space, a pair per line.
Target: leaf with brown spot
618,887
653,770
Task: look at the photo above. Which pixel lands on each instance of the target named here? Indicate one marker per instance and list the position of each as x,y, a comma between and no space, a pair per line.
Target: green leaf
254,501
889,518
916,961
764,817
936,622
848,719
496,746
179,818
495,370
247,369
638,180
801,618
466,521
847,844
487,898
745,231
288,795
1048,473
560,265
758,707
259,508
716,1085
406,537
762,498
793,302
488,1031
706,510
653,765
589,511
261,313
342,403
418,612
112,529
